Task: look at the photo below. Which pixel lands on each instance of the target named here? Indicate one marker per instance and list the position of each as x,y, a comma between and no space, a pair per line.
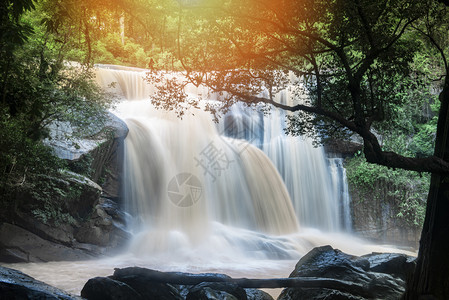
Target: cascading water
188,185
302,166
340,189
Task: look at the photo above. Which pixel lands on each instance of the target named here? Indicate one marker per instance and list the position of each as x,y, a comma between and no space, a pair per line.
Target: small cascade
340,189
126,83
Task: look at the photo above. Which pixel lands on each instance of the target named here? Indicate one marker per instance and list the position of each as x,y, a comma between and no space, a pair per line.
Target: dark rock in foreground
395,264
374,276
140,283
17,285
323,273
107,288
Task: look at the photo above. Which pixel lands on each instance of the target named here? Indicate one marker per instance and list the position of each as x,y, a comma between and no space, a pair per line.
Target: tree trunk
431,277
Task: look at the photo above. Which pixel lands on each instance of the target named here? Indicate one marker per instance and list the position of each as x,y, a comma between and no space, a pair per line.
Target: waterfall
242,183
302,166
216,198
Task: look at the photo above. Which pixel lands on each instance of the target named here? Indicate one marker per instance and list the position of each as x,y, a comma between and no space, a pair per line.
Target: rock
395,264
104,227
103,288
129,287
51,221
152,284
20,245
342,148
320,260
67,209
325,262
206,293
135,278
88,194
255,294
215,290
72,149
62,234
80,196
100,152
375,217
105,159
113,210
17,285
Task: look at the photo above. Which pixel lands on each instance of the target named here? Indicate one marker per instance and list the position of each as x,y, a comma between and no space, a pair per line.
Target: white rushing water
236,187
239,197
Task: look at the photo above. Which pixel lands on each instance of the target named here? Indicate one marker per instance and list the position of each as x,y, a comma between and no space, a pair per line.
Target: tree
38,89
357,57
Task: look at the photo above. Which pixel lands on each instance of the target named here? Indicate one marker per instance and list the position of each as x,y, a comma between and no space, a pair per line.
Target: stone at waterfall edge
381,275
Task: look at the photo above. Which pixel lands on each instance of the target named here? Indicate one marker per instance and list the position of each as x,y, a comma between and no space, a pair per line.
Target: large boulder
255,294
360,281
17,285
20,245
105,227
216,290
104,288
396,264
98,155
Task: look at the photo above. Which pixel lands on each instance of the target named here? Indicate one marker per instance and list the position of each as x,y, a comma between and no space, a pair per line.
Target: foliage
363,64
49,196
110,50
39,89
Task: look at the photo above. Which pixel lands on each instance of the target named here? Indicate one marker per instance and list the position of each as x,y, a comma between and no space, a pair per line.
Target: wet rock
105,227
128,287
17,285
395,264
374,217
20,245
99,154
207,293
255,294
113,209
152,284
104,288
209,290
135,278
326,262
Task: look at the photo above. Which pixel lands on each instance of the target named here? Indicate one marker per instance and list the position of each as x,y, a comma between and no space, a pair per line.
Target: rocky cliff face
375,214
375,217
81,217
